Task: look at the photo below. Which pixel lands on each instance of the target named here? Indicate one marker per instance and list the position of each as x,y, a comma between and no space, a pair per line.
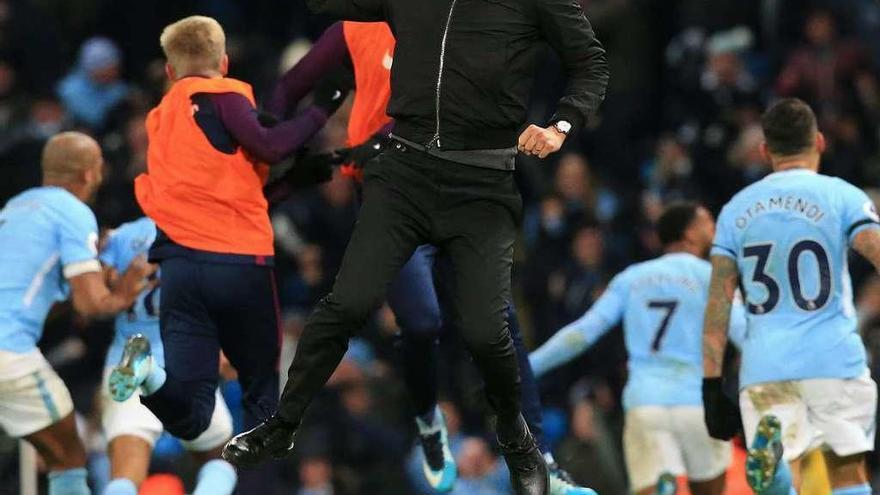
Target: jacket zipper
435,141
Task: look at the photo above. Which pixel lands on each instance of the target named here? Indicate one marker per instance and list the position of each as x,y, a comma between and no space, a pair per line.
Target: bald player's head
73,160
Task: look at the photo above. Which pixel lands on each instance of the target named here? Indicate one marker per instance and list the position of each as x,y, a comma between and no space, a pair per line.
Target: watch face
563,126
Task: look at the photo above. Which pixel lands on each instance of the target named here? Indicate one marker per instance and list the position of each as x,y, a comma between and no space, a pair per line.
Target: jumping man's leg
413,298
477,226
185,400
65,456
244,307
129,464
390,227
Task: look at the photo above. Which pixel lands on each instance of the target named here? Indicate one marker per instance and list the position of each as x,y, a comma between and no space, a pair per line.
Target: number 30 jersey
789,235
124,244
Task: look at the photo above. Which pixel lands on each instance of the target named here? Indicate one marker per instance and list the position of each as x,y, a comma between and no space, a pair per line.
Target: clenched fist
540,141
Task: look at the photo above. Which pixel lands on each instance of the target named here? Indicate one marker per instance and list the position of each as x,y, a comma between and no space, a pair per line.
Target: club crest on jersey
871,211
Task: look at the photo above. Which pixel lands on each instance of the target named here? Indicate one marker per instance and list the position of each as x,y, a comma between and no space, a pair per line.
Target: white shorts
133,418
32,396
660,439
835,413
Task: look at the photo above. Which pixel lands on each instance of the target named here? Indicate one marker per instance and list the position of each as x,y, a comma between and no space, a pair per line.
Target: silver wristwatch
563,126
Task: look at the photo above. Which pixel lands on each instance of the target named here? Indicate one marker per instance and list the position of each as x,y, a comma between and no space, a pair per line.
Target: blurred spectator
480,472
316,477
668,173
823,69
20,151
94,88
589,453
745,155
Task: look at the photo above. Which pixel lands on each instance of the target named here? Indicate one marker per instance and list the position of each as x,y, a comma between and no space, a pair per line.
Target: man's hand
358,156
137,277
92,297
540,141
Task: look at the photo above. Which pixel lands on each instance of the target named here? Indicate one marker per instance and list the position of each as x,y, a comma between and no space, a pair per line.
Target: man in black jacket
461,78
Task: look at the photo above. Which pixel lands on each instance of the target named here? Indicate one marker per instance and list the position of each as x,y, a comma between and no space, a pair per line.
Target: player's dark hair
675,220
789,127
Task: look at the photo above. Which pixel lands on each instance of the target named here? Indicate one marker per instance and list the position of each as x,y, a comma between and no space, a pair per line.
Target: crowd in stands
689,81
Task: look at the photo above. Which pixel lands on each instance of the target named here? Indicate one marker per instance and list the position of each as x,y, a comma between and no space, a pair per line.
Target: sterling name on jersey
125,244
661,304
789,235
47,236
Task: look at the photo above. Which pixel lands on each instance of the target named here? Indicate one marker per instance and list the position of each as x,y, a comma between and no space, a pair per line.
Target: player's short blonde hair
194,45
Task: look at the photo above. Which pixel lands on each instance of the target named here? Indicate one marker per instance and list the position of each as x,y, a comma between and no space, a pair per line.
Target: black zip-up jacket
463,69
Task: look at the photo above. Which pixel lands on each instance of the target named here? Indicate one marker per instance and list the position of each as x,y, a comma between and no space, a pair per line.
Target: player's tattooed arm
722,289
867,243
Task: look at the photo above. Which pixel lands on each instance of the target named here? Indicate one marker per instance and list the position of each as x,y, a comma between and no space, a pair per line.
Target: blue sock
121,486
216,477
782,484
154,380
853,490
69,482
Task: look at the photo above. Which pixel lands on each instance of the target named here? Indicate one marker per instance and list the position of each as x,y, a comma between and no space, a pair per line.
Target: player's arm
328,54
867,243
720,412
93,298
716,323
737,327
568,31
352,10
80,265
578,336
272,142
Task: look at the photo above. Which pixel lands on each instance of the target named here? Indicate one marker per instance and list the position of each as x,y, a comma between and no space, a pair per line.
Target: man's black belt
498,159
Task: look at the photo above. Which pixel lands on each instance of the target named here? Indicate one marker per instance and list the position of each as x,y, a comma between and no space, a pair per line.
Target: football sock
155,380
121,486
853,490
216,477
69,482
782,484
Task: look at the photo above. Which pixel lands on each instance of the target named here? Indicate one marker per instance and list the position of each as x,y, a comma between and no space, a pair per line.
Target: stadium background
689,80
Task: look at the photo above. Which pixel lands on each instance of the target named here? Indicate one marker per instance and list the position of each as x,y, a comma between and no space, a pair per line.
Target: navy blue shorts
208,307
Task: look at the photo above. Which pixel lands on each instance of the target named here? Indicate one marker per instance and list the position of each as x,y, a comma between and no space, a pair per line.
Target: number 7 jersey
789,235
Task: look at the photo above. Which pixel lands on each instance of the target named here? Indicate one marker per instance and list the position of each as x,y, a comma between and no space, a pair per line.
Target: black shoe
528,469
272,439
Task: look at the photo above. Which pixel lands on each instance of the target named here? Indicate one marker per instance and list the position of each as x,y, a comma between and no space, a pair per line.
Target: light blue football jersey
789,234
47,236
661,305
124,244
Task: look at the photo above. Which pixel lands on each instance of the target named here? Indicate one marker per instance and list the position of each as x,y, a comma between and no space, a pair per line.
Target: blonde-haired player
194,46
207,163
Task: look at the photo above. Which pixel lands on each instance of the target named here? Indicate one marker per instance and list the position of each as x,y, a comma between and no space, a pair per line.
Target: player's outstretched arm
722,289
579,335
351,10
93,298
867,243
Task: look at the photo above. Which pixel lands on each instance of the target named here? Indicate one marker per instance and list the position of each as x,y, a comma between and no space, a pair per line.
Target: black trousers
410,198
